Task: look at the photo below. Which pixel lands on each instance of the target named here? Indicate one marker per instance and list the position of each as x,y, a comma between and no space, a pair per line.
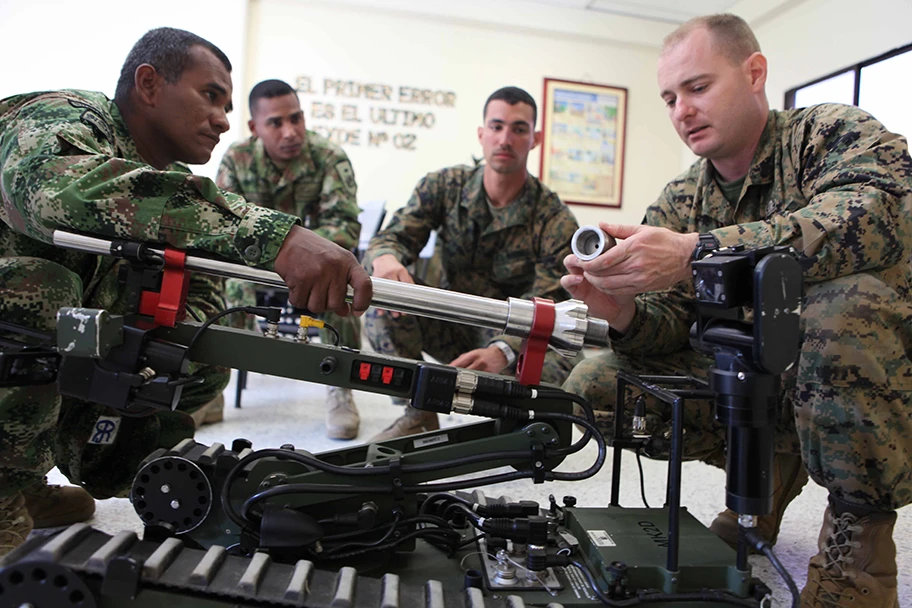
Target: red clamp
168,306
532,356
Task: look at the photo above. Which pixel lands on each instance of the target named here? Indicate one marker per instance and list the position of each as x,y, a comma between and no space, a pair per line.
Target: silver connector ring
589,242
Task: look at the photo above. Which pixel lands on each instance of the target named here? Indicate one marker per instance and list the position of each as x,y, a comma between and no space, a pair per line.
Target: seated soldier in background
78,161
501,233
286,167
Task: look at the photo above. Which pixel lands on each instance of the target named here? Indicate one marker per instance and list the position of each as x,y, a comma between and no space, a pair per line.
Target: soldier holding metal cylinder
77,160
286,167
834,184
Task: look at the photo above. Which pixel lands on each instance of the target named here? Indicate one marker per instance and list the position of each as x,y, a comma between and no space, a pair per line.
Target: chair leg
241,385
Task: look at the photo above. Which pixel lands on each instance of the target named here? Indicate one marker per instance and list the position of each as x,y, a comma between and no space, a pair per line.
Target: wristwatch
708,242
506,350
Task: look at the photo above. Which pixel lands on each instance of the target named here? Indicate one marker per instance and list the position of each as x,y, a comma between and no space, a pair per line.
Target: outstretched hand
489,359
645,259
388,266
617,310
318,273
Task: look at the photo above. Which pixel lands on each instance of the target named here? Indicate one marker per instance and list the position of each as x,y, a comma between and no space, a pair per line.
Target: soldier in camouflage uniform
283,166
501,233
831,182
75,160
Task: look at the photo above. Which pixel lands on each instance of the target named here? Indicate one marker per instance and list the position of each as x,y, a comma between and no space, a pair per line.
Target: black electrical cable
193,314
337,338
642,479
761,544
440,496
374,471
389,545
380,541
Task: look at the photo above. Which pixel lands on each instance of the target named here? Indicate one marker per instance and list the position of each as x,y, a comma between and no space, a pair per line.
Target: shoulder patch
90,117
347,174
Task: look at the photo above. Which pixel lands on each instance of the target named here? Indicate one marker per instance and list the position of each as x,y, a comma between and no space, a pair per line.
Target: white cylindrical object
589,242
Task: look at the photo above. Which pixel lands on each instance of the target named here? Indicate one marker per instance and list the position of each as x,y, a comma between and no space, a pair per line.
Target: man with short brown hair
834,184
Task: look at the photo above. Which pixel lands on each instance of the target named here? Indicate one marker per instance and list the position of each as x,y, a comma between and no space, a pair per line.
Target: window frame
856,69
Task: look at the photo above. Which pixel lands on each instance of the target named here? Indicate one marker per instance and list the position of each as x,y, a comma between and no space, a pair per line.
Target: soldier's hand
388,266
618,310
489,359
318,273
645,259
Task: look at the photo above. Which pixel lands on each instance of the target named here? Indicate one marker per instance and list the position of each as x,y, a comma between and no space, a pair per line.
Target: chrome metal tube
513,317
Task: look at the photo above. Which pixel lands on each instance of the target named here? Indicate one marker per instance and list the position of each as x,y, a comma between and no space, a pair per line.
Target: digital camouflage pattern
831,182
67,161
515,251
318,186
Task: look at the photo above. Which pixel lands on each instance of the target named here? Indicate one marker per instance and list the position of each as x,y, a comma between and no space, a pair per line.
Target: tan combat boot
210,413
51,506
789,477
15,523
412,422
342,419
856,565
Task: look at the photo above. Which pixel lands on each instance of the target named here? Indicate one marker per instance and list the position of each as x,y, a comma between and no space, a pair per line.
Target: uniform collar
474,200
267,170
125,144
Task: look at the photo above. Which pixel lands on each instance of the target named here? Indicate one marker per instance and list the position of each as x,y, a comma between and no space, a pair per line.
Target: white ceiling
668,11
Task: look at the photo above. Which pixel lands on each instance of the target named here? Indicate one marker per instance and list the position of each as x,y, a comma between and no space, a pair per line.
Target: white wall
56,44
445,48
814,38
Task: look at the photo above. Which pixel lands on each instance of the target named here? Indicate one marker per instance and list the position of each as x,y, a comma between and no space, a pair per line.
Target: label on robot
105,430
600,538
423,443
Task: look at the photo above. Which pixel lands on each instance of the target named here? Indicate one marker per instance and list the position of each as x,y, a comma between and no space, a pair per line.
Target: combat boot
210,413
342,419
412,422
789,477
856,564
15,523
51,506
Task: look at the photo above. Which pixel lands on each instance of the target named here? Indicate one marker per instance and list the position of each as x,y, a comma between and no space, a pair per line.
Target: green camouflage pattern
318,186
515,251
67,161
831,182
38,432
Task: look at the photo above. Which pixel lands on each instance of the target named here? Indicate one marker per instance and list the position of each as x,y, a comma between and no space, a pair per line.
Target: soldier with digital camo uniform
286,167
834,184
500,233
76,160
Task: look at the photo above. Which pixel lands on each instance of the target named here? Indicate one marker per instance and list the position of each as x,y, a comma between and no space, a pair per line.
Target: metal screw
165,489
530,433
175,504
741,376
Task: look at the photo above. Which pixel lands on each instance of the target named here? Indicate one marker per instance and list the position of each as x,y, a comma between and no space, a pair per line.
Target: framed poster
584,127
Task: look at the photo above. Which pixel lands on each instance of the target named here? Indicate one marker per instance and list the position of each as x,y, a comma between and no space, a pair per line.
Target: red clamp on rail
532,356
168,306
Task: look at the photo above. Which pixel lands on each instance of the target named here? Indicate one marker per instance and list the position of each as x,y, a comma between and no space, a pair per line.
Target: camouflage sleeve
555,236
57,171
663,319
338,214
410,227
854,175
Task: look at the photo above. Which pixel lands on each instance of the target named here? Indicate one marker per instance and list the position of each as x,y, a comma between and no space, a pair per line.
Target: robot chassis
363,526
